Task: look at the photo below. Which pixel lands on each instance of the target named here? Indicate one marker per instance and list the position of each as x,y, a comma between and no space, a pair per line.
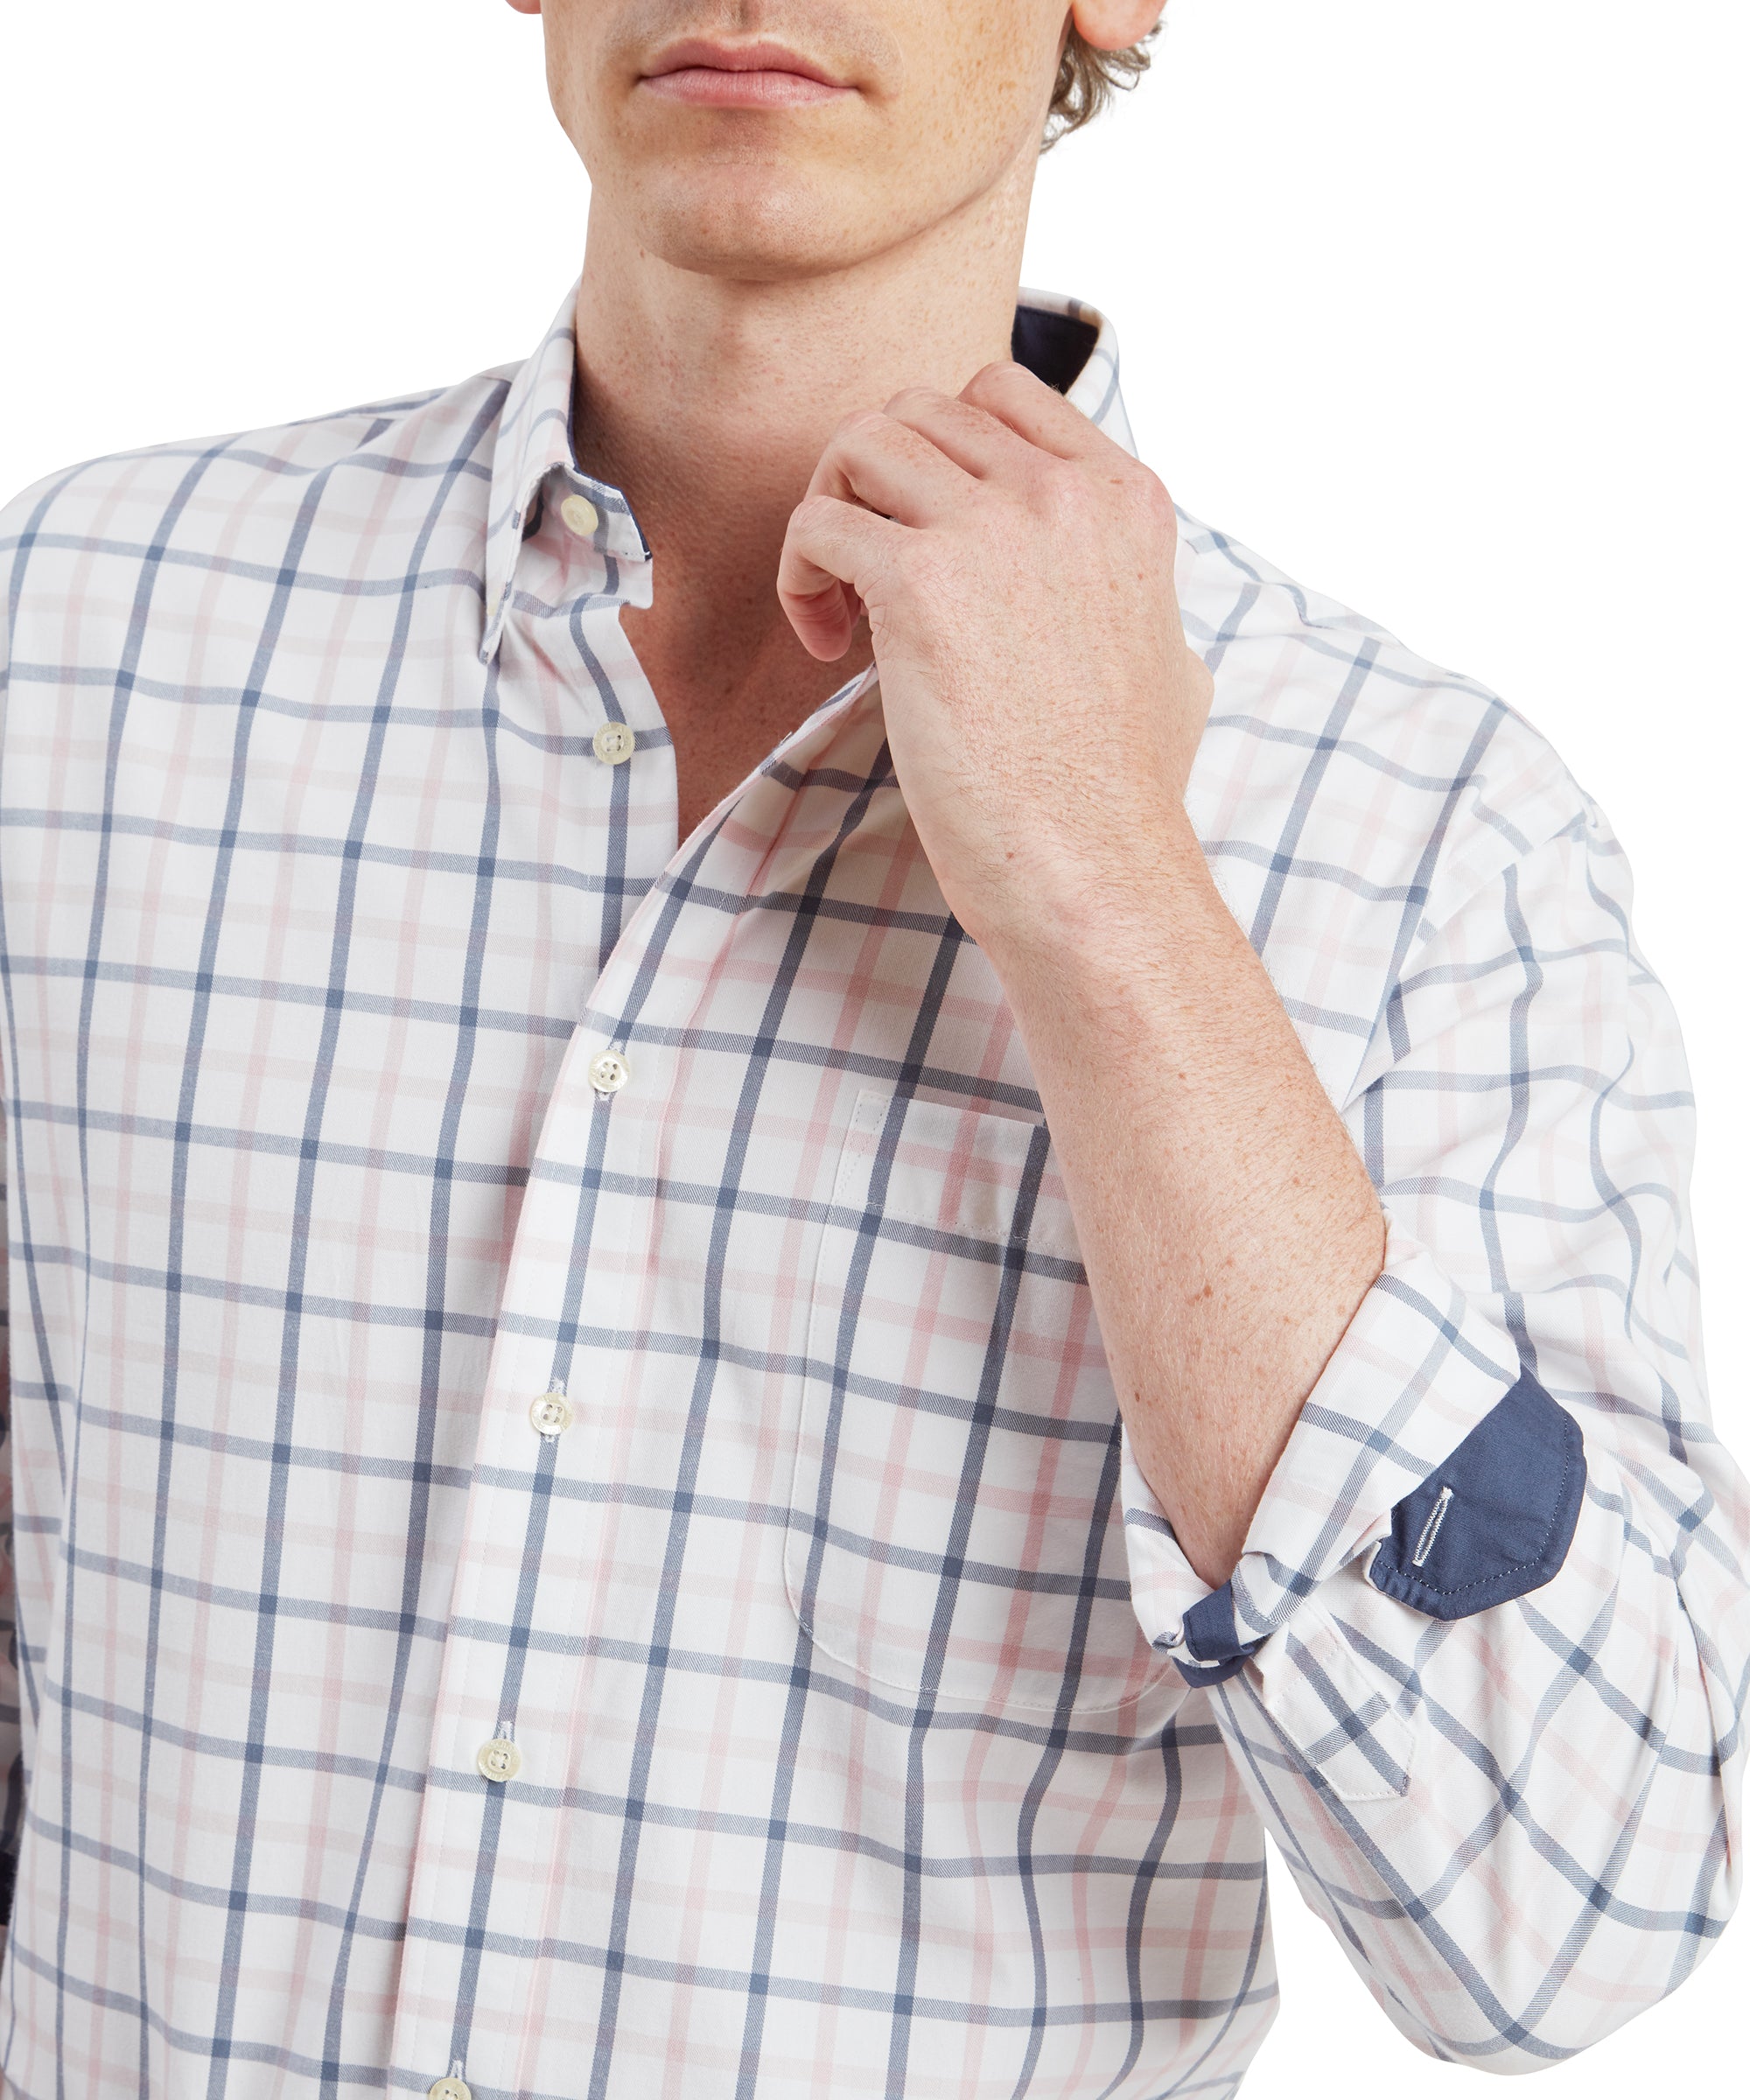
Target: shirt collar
1094,388
534,442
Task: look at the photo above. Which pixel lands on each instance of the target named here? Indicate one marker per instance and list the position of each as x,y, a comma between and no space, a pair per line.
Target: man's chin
757,225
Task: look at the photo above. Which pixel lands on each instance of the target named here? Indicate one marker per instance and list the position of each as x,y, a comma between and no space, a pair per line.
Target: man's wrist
1080,933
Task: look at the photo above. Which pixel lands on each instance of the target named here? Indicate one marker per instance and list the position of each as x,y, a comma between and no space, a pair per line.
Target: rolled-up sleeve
11,1732
12,1748
1482,1663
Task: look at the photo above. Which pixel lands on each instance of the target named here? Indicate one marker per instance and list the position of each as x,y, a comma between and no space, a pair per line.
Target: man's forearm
1042,736
1227,1222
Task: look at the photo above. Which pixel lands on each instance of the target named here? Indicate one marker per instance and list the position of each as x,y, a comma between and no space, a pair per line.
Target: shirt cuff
1400,1406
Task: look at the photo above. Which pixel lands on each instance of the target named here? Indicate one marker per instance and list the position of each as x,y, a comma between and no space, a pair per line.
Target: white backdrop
1440,304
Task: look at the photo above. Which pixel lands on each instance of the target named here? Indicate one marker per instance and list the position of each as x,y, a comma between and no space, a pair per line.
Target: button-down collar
840,1685
535,461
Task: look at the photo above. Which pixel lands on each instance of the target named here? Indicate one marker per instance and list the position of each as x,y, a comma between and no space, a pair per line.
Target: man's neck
699,391
708,402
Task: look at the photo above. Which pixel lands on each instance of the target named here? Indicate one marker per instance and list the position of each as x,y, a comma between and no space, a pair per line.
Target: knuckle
986,385
1156,502
813,514
1063,487
858,420
1164,528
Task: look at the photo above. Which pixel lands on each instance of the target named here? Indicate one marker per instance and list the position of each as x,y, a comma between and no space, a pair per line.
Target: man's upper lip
738,58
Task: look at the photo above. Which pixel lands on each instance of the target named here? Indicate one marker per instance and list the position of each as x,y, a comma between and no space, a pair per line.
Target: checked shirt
570,1525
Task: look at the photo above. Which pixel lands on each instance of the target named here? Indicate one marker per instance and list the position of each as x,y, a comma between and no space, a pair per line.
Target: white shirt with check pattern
734,1447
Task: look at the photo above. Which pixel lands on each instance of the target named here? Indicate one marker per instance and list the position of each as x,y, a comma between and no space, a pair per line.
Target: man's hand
1043,710
1042,706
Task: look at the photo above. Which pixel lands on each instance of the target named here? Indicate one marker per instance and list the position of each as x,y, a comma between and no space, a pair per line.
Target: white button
450,2089
608,1072
579,514
614,742
550,1412
500,1759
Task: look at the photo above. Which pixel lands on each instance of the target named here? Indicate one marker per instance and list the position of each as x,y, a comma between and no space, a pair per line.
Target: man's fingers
1036,412
886,477
836,552
970,436
881,463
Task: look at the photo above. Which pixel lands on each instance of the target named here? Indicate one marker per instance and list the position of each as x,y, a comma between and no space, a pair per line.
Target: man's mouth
740,76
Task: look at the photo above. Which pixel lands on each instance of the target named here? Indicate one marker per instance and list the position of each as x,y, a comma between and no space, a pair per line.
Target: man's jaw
761,75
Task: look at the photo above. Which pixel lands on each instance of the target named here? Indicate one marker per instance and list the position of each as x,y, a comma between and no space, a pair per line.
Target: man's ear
1107,24
526,7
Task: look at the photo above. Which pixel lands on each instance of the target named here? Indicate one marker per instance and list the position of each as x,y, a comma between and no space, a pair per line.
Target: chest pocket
954,1527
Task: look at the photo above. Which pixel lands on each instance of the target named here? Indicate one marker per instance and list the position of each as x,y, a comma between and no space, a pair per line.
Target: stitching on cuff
1458,1544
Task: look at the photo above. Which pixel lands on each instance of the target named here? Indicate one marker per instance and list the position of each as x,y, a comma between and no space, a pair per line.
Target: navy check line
316,905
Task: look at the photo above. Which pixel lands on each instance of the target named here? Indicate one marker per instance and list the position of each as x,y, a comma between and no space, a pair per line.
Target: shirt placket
503,1742
498,1744
494,1768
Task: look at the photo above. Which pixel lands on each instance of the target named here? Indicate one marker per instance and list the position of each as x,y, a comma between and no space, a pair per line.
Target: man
793,1203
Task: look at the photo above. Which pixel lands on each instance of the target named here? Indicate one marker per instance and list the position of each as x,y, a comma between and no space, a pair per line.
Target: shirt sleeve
11,1760
12,1748
1482,1663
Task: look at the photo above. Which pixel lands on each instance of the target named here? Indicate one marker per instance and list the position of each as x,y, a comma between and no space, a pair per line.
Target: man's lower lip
715,87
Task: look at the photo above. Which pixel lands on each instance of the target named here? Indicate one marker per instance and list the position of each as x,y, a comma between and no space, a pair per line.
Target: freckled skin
792,335
749,278
951,95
